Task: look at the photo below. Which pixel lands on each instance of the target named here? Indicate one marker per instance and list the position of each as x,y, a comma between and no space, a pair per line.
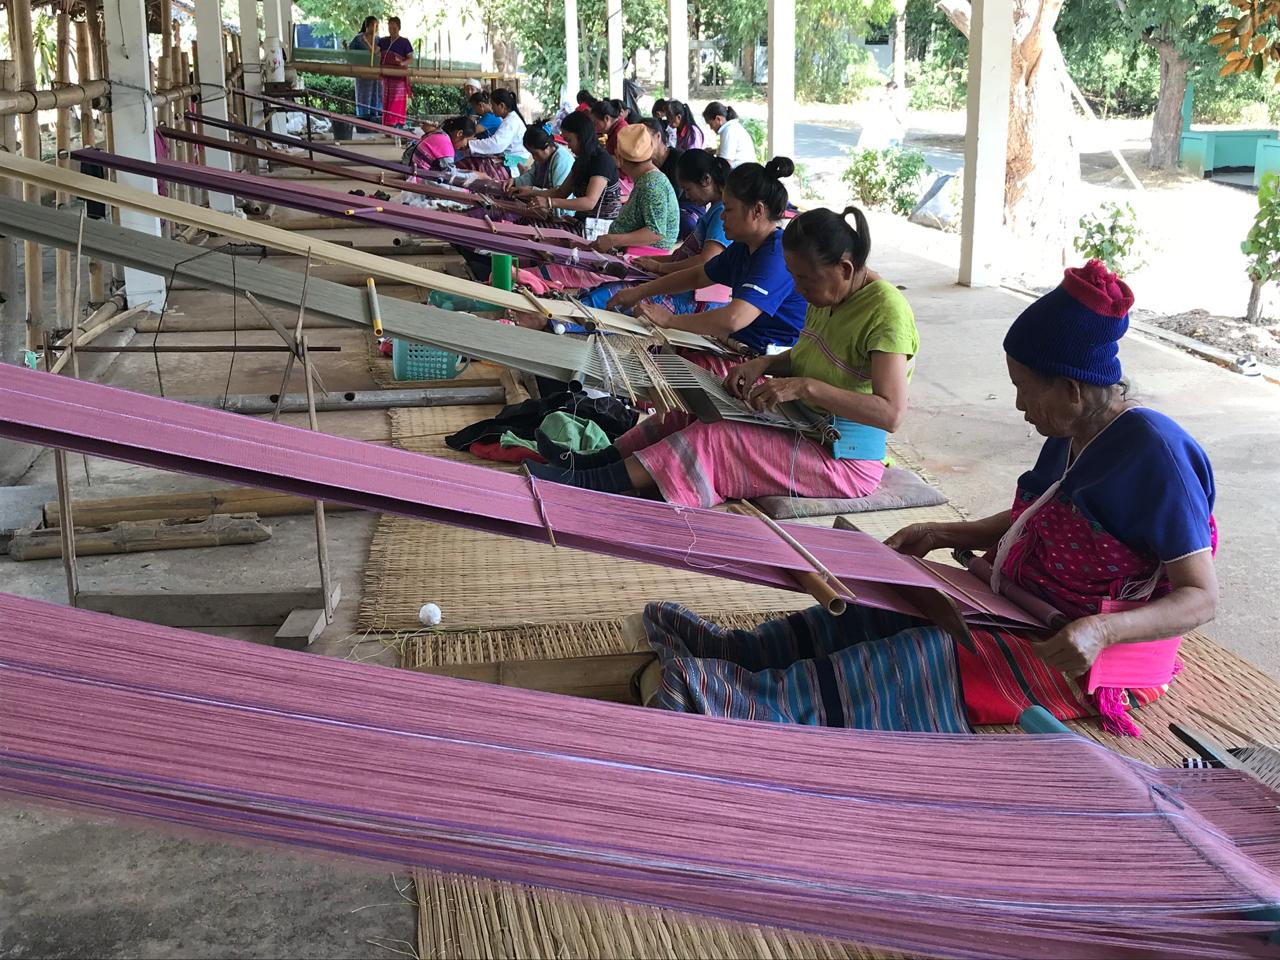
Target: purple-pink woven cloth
992,846
118,424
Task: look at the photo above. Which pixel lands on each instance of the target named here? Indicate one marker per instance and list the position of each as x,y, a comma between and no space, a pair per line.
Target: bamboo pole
67,310
22,42
15,102
12,314
820,583
86,66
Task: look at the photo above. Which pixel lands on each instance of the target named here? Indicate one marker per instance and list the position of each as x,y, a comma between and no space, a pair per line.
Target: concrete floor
72,887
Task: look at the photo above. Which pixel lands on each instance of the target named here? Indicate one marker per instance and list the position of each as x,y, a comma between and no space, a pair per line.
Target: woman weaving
702,179
765,310
590,191
853,361
1113,526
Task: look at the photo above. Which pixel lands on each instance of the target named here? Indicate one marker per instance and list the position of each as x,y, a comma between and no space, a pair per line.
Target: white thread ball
429,615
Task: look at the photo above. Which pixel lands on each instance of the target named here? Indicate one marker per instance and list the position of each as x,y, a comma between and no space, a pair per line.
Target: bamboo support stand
86,66
22,42
67,311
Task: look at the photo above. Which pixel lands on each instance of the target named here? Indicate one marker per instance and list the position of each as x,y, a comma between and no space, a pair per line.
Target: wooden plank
180,506
141,536
105,191
212,608
614,677
300,629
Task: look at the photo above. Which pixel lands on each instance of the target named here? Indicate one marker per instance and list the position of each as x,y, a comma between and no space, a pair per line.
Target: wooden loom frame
104,191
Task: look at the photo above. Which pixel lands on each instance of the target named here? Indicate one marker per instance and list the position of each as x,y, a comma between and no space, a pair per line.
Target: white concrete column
251,57
678,50
572,56
273,51
986,139
782,77
134,126
613,11
211,68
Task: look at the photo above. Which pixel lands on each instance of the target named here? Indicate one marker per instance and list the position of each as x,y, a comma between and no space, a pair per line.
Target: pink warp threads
992,846
104,421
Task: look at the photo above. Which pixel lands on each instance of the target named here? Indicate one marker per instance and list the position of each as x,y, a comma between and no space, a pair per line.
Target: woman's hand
603,243
916,540
625,299
647,264
1074,648
740,380
656,314
771,393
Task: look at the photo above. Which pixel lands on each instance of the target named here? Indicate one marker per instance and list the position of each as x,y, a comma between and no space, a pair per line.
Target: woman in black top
591,189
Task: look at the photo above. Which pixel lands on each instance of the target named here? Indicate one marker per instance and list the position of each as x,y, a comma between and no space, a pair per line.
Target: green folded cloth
574,434
509,439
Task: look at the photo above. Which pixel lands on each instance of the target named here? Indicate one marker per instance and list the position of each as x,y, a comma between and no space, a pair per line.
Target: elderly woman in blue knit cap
1112,527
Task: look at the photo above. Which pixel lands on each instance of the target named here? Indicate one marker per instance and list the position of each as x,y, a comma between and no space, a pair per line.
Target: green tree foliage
342,18
536,27
829,57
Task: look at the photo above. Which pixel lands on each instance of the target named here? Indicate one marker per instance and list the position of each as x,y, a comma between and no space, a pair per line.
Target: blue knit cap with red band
1074,330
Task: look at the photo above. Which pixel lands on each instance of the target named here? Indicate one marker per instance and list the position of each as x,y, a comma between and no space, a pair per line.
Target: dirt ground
1230,334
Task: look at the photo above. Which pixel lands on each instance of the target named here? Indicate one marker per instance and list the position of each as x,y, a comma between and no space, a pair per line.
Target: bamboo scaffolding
22,42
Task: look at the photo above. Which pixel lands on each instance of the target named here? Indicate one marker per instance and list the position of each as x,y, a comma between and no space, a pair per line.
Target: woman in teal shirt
551,162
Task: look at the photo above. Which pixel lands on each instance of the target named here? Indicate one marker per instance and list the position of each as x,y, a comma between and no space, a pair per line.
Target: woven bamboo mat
482,580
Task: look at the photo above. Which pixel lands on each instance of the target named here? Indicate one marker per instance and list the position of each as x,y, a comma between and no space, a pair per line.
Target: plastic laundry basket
417,361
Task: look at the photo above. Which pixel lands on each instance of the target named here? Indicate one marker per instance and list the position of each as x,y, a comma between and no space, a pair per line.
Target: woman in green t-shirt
856,351
852,361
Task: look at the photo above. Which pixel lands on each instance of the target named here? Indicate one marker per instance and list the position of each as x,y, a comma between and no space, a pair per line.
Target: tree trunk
1166,126
1042,167
1254,312
900,56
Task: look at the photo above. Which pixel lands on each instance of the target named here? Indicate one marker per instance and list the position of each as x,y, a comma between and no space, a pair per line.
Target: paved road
819,141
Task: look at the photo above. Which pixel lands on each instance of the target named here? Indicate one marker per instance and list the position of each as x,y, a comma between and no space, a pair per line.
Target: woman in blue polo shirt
765,311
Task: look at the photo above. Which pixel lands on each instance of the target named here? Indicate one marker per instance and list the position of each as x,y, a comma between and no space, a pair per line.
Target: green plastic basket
417,361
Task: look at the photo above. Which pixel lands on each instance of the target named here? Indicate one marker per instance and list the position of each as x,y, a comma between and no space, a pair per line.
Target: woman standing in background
397,51
368,89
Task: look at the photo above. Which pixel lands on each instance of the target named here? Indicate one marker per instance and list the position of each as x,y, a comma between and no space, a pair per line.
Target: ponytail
717,109
605,109
508,100
752,184
463,125
828,237
537,138
696,165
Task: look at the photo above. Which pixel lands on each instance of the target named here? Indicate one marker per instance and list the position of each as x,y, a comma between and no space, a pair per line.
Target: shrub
338,94
887,179
759,136
1113,236
1262,244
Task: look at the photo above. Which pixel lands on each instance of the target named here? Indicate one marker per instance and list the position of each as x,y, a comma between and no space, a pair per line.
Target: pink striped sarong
551,277
701,464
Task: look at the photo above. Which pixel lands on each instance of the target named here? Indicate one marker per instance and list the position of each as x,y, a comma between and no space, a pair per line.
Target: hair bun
780,167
